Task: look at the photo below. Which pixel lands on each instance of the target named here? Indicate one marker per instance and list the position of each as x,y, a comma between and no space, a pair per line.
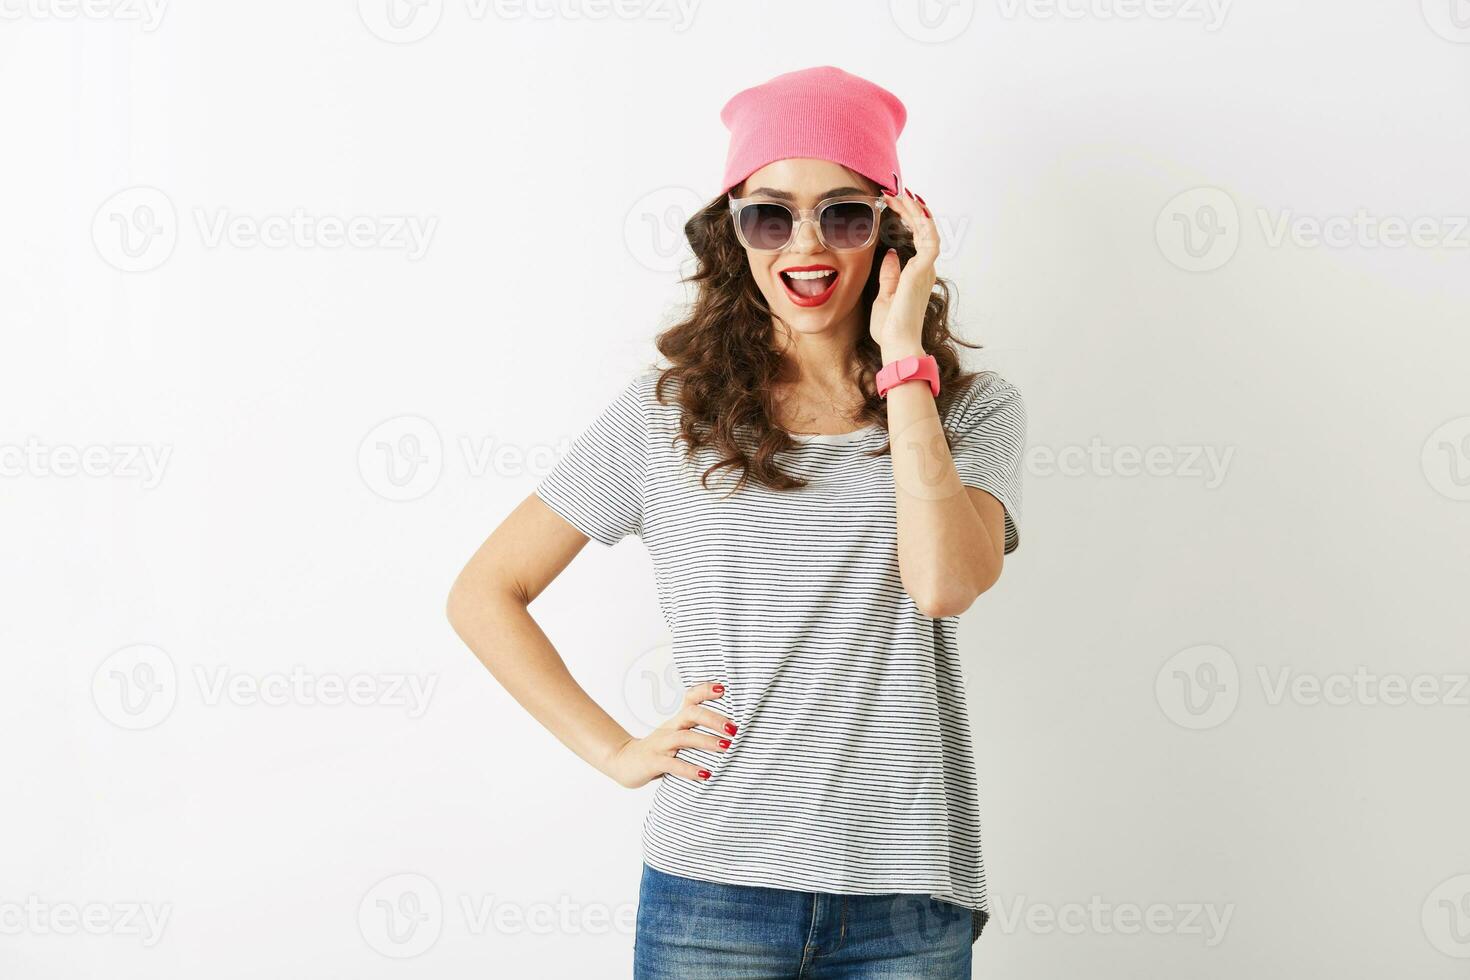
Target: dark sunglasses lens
765,225
848,224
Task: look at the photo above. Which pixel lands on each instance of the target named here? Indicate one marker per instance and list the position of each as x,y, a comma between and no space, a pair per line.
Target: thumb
888,274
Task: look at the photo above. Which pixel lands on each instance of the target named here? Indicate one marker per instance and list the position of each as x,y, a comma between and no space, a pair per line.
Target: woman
822,490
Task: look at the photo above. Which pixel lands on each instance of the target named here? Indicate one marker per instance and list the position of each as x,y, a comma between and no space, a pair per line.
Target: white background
325,422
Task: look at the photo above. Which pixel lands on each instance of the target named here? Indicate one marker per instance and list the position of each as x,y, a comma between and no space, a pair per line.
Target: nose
805,239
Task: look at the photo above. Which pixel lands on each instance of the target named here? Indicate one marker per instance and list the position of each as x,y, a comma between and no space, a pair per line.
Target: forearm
499,629
945,552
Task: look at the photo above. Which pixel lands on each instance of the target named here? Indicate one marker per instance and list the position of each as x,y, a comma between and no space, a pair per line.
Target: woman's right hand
639,760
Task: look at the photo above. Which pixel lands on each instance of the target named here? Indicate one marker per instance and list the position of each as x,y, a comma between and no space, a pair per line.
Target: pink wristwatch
924,368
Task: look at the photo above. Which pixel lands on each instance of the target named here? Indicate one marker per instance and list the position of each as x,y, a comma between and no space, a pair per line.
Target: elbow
941,598
472,602
462,605
953,596
456,606
945,603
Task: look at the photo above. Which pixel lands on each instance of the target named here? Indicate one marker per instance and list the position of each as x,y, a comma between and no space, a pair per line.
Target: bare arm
951,538
488,608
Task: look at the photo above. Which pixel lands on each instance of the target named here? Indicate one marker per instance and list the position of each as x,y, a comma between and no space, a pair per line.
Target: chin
803,322
812,320
810,324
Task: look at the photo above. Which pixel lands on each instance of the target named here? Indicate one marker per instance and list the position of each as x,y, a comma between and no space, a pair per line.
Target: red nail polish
719,689
724,743
909,193
926,212
730,727
704,774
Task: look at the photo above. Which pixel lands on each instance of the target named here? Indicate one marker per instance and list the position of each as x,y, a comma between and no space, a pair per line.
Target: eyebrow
788,196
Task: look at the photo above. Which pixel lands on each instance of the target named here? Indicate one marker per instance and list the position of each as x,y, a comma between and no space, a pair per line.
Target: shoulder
637,391
986,395
641,400
657,393
643,384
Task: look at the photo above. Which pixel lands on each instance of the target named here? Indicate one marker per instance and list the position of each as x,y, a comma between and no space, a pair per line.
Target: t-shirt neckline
834,438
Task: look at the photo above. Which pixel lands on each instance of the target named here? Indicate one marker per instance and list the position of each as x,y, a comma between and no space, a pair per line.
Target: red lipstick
813,299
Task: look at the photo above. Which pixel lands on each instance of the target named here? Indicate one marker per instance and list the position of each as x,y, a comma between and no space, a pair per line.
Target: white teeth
823,274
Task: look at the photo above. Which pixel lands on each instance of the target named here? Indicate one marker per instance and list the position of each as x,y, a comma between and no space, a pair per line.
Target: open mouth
809,285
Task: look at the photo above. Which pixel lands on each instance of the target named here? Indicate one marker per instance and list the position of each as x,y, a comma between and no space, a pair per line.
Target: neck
826,361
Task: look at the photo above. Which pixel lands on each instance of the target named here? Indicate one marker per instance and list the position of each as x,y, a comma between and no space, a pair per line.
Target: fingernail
724,743
704,774
730,727
926,212
908,192
719,689
920,198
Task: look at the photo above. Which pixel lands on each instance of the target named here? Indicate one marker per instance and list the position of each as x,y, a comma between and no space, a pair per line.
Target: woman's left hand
903,296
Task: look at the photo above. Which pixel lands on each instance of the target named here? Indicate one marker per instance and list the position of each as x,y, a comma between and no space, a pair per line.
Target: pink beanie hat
825,113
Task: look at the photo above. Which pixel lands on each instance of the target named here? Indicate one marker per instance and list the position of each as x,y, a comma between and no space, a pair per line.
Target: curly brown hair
723,353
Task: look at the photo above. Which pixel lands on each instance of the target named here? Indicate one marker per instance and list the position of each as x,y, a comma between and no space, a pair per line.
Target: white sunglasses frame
812,214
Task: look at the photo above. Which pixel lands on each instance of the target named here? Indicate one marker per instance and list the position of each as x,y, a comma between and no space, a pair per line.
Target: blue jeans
689,929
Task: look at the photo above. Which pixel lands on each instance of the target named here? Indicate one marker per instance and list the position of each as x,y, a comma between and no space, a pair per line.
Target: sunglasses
844,224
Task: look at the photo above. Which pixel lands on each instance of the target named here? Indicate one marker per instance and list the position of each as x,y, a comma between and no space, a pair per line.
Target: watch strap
910,368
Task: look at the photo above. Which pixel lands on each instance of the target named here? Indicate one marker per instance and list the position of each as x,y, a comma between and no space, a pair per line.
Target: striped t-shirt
852,770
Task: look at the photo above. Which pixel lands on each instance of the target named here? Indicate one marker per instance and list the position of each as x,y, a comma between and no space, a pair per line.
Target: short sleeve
597,486
988,426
